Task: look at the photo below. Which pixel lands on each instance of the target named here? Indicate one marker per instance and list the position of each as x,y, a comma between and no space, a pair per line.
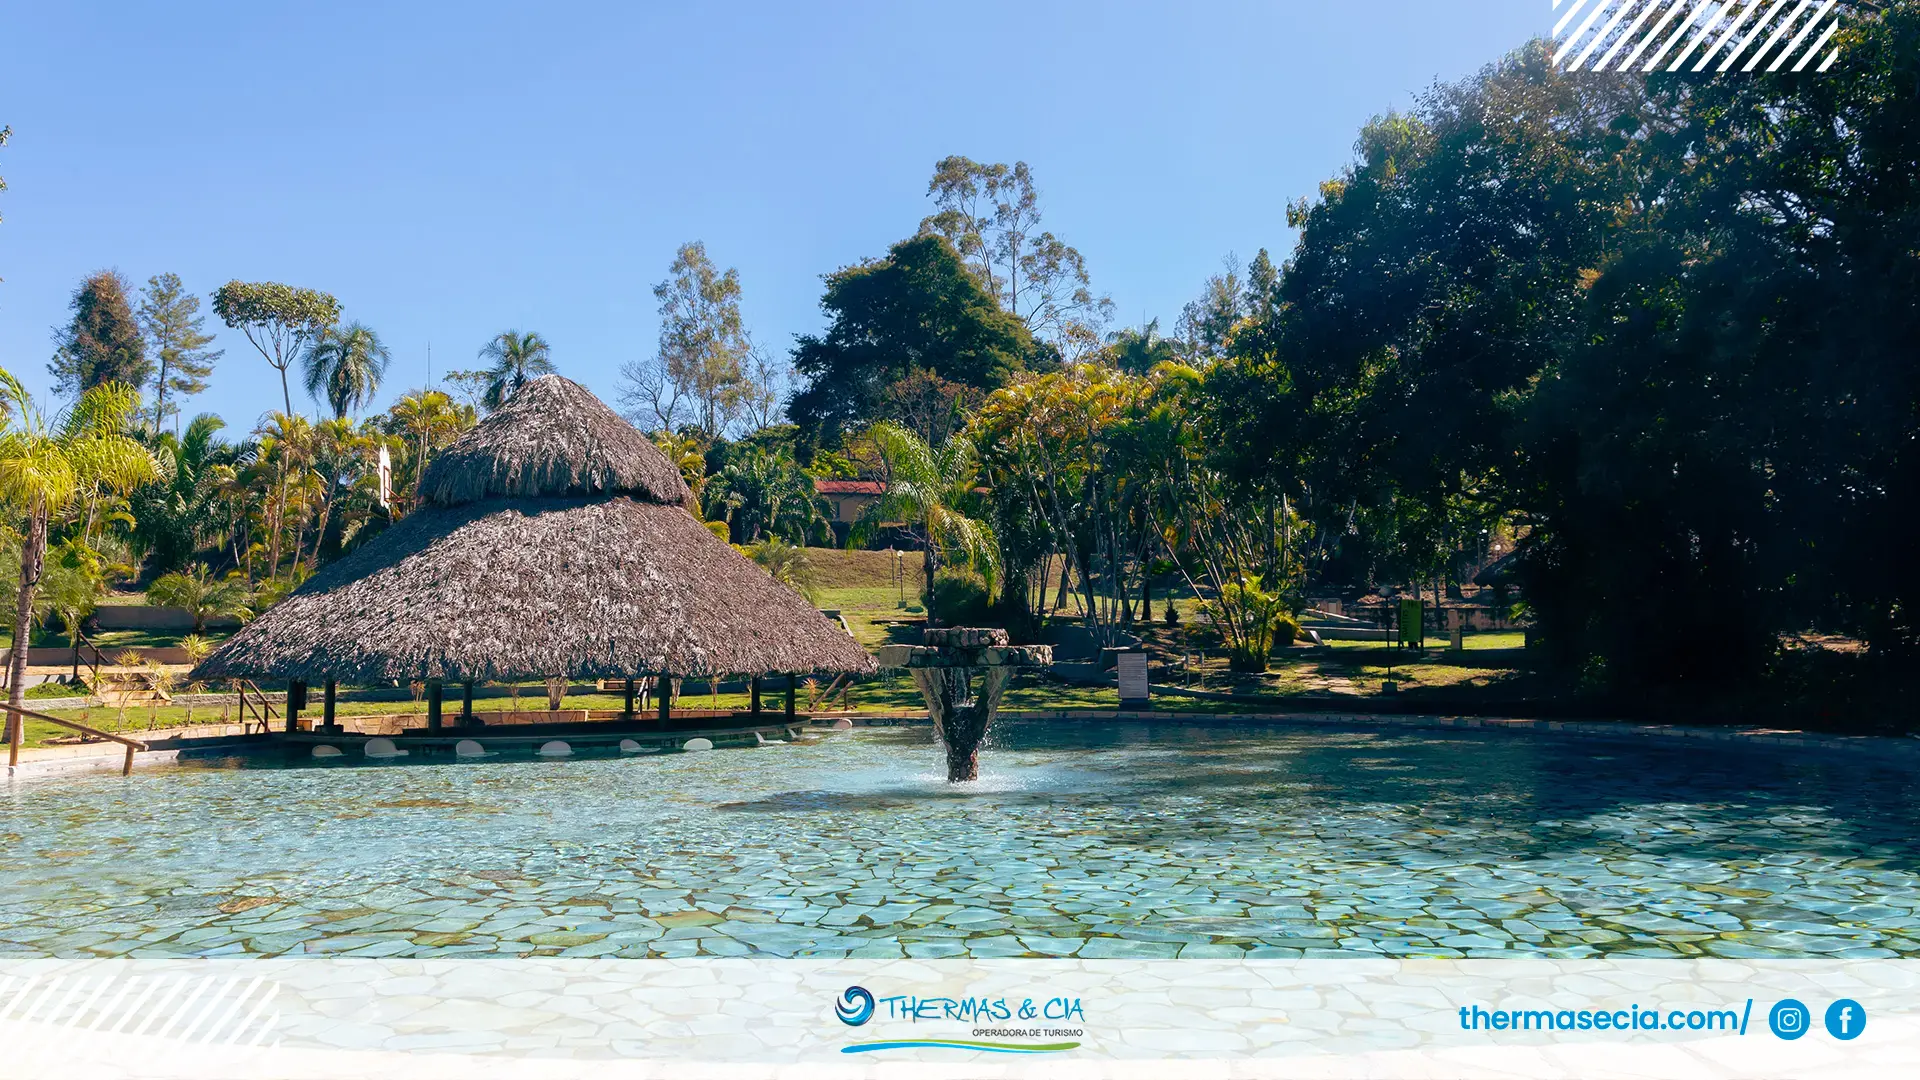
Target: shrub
1253,621
959,597
785,563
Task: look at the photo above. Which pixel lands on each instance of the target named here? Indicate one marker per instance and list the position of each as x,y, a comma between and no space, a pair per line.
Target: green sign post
1412,624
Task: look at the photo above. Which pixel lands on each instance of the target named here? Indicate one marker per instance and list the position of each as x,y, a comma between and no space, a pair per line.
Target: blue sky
450,171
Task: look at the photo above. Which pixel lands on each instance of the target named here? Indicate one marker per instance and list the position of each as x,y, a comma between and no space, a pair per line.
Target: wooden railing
255,709
93,666
19,718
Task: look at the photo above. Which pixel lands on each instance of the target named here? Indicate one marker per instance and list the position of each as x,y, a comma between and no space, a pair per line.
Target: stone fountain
945,668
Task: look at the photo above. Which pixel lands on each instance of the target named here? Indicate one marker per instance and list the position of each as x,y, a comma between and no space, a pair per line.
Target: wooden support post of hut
944,670
789,699
551,540
663,689
296,700
435,692
753,690
326,708
627,712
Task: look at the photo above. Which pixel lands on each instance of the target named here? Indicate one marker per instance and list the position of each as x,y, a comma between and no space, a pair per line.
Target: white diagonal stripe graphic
1706,28
1605,33
1575,37
1651,34
159,1006
1758,29
100,1017
1787,53
1778,33
1626,35
180,1011
1678,32
19,995
1817,46
1568,17
272,991
233,1006
206,1011
1732,29
1828,62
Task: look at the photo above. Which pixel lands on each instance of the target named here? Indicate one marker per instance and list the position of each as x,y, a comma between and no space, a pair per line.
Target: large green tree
175,330
102,342
279,320
918,309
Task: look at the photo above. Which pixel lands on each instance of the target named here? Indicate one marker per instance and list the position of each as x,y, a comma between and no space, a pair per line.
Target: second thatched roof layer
552,439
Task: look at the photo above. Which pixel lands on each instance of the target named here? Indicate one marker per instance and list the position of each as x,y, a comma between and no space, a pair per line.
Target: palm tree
202,595
427,420
344,367
46,465
286,441
517,358
928,488
180,513
786,563
338,452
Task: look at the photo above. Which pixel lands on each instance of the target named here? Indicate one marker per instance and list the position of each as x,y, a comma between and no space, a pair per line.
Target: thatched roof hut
554,542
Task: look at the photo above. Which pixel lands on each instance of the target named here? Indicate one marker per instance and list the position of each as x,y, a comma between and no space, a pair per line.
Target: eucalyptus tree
700,365
344,367
278,320
514,359
48,463
991,215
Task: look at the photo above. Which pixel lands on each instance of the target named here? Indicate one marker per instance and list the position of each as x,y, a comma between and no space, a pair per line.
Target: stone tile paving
1087,840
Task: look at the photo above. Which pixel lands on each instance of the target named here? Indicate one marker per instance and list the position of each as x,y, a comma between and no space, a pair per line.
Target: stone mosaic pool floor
1086,840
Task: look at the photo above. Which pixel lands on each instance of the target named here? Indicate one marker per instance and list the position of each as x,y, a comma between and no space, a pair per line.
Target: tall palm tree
427,420
47,464
344,367
286,445
517,359
930,489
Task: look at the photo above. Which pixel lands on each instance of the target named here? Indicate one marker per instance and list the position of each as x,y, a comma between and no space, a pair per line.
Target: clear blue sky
450,171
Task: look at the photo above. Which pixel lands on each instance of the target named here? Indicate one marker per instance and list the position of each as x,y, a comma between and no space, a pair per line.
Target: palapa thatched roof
556,545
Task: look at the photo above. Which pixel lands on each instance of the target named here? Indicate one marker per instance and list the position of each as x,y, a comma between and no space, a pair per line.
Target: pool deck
217,740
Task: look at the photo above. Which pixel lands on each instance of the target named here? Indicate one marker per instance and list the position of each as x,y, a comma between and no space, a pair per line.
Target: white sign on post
1132,669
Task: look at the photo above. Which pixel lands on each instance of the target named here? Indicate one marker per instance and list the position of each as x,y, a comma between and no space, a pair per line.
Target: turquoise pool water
1091,840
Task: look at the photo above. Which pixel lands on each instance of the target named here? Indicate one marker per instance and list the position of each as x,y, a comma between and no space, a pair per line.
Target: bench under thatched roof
554,542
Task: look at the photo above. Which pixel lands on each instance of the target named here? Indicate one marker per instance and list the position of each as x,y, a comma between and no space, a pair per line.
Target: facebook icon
1846,1019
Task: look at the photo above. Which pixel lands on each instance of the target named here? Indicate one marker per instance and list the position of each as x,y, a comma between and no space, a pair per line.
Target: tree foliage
278,320
700,371
176,333
916,310
513,359
991,216
344,367
102,342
